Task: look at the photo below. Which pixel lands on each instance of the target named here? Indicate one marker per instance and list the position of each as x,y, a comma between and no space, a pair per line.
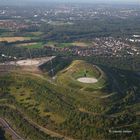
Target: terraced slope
64,107
81,69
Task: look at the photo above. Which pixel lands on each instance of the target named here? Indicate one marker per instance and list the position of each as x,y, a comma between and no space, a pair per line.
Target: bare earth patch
34,62
27,62
13,39
27,44
87,80
81,44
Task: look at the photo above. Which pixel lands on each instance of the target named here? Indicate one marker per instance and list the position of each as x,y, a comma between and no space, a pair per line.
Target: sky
92,0
68,1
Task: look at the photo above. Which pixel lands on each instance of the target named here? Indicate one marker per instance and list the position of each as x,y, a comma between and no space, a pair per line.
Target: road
46,60
101,72
10,130
15,136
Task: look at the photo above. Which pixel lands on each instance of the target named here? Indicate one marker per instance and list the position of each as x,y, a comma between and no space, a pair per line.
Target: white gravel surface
87,80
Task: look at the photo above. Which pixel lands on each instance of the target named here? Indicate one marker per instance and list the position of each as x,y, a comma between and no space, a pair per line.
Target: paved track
9,129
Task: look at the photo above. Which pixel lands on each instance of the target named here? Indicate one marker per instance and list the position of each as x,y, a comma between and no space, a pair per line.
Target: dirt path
9,129
48,131
101,72
15,136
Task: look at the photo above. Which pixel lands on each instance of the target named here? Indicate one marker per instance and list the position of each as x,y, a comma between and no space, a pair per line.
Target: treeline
88,29
129,84
124,63
57,64
4,135
10,51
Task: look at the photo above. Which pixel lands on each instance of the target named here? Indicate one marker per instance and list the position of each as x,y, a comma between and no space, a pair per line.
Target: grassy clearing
35,33
60,45
32,34
78,44
52,44
81,44
70,44
13,39
31,45
65,45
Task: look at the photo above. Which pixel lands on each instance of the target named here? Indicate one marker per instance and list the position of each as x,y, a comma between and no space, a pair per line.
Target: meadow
13,39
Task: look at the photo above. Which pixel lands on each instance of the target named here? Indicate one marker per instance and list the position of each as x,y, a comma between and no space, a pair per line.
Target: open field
31,45
81,44
64,45
27,44
70,44
13,39
34,33
78,44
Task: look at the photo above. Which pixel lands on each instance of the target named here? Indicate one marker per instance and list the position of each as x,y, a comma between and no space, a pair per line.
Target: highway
7,128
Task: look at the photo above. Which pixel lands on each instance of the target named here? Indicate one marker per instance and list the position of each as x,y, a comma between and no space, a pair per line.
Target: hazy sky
74,0
82,1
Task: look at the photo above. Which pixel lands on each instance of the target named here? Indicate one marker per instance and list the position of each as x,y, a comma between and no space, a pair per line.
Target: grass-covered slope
79,68
72,111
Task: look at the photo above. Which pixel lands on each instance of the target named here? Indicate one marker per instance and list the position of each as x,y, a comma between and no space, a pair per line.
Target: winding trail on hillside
99,69
45,130
48,131
5,125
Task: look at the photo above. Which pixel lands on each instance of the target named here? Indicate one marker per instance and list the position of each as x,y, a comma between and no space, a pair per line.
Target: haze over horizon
13,2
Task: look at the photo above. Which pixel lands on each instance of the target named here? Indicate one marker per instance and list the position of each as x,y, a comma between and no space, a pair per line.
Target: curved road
5,125
9,129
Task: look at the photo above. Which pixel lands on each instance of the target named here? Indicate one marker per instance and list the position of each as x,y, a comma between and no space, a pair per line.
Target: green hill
71,108
68,77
